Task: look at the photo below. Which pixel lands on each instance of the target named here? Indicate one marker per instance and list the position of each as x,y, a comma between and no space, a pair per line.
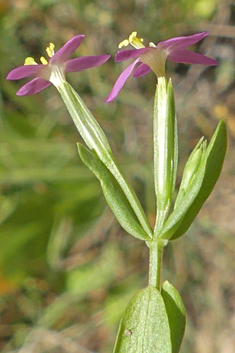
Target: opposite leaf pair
200,175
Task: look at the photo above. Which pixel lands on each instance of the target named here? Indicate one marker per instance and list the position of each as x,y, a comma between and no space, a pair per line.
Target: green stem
165,149
155,262
96,140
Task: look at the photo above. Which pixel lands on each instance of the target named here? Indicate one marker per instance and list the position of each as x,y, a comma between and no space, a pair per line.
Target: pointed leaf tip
144,326
215,155
176,314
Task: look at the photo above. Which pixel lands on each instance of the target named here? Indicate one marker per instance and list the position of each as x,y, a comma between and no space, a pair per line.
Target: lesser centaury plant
154,320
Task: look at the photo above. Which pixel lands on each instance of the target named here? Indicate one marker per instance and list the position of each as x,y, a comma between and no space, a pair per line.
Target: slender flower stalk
53,71
165,147
154,57
96,140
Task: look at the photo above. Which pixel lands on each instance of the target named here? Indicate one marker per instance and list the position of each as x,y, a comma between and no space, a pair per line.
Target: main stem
155,262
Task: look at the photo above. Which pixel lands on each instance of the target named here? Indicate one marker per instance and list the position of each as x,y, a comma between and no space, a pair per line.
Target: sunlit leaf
144,326
176,314
113,194
203,182
215,155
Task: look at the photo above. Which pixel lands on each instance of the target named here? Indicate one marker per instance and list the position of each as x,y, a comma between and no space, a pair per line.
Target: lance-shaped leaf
188,191
215,155
144,326
176,314
206,173
114,195
191,172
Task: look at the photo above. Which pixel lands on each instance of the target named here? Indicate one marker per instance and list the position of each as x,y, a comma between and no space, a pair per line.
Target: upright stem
155,262
165,150
96,140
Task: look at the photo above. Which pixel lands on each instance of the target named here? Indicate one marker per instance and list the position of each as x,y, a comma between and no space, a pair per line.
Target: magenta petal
181,42
32,87
141,70
189,57
64,53
120,82
24,71
85,62
128,54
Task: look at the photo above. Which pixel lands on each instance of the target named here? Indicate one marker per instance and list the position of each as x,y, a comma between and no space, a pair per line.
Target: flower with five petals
53,71
154,57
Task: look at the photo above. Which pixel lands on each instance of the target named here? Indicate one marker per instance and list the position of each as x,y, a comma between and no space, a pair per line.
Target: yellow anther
30,61
133,40
50,53
50,50
151,44
132,36
124,43
43,60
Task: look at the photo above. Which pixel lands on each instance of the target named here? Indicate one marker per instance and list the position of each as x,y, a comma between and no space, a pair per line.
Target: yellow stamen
30,61
124,43
50,50
133,40
50,53
43,60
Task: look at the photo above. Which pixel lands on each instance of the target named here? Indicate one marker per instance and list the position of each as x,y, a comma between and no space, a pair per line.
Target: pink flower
54,70
154,57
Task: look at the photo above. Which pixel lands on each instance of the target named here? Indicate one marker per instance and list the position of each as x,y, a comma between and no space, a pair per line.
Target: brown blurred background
67,269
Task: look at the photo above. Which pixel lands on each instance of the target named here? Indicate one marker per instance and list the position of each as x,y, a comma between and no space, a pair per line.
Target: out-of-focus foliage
67,270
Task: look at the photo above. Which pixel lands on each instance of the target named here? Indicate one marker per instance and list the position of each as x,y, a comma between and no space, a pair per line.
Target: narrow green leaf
184,199
176,152
190,172
114,195
215,155
144,326
176,314
200,188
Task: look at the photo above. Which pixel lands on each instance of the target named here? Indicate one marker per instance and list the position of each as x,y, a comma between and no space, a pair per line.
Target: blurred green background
67,269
